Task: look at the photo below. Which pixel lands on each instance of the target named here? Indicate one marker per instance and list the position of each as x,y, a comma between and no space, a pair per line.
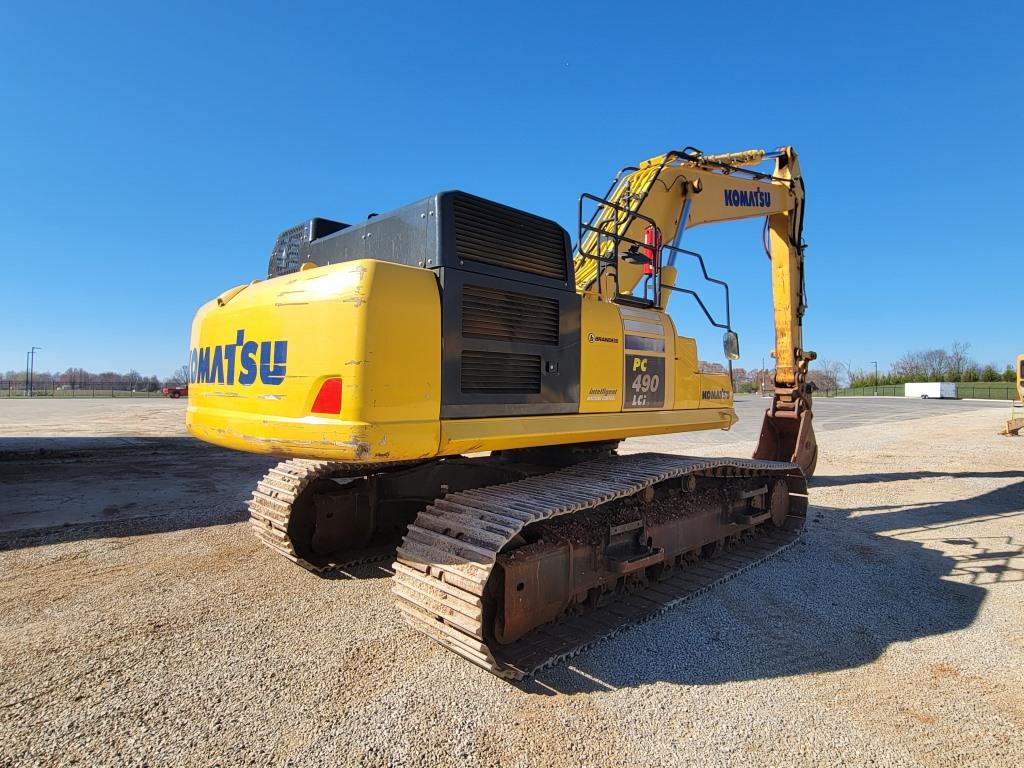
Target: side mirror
731,345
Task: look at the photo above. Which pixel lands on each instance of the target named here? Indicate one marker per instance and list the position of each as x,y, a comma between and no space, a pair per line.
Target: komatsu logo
714,394
218,365
741,198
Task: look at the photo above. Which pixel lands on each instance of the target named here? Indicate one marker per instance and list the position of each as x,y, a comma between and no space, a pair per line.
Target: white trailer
935,389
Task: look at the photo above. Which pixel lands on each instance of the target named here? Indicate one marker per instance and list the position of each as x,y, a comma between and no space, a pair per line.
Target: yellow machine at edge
1015,423
382,360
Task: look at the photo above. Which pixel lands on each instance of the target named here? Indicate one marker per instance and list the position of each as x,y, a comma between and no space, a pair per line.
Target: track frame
446,573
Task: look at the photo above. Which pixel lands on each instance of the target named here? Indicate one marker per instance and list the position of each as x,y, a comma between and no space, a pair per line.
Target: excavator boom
684,189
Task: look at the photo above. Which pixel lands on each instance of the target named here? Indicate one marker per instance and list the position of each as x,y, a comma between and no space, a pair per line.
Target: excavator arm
656,202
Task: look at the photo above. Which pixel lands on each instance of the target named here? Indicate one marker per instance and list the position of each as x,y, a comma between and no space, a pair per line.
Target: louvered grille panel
494,314
495,235
500,373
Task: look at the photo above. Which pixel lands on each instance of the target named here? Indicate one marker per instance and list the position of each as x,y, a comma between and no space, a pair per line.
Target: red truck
176,391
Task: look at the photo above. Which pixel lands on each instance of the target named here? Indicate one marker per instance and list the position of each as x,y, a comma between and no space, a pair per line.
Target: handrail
617,238
704,270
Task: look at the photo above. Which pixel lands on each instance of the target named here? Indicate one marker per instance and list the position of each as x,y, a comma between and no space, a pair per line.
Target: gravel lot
162,634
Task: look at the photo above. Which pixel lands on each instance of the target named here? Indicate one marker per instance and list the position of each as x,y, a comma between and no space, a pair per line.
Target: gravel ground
892,637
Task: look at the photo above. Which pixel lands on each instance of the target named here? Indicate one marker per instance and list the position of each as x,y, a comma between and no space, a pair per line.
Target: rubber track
275,495
449,552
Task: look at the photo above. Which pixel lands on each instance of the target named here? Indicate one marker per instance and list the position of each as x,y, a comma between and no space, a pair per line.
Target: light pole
31,369
875,363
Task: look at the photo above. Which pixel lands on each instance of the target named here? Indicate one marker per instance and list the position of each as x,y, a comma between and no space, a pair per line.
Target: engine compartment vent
489,313
287,254
489,233
500,373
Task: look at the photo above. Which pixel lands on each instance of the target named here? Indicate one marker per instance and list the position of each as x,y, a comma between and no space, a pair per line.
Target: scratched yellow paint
376,325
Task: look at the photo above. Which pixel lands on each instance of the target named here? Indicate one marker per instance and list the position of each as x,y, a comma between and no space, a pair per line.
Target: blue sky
150,153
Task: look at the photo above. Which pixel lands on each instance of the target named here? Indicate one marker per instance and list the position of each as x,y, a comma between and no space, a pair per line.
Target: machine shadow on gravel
72,489
826,481
835,602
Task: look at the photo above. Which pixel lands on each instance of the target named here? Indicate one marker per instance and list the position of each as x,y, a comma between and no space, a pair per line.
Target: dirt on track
892,636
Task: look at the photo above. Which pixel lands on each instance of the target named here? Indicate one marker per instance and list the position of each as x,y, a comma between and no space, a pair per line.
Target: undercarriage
518,560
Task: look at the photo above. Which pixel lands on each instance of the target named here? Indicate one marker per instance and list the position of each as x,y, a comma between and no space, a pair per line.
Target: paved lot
98,461
163,634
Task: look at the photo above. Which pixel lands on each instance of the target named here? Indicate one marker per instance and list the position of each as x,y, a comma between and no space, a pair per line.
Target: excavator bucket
1013,425
787,434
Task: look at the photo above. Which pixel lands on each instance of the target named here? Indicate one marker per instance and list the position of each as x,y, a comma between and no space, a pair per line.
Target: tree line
744,379
954,364
80,378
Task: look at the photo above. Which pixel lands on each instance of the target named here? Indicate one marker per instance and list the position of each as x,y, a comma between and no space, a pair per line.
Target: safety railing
610,243
727,325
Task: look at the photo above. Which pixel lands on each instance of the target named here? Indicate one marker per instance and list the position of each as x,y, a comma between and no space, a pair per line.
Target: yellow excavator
454,378
1016,421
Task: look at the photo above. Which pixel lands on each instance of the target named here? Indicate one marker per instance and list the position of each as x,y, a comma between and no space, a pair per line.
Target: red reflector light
328,399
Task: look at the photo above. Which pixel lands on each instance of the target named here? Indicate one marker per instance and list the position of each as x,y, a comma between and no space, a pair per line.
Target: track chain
447,557
276,493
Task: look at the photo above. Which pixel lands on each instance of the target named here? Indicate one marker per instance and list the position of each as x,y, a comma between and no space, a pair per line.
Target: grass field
76,393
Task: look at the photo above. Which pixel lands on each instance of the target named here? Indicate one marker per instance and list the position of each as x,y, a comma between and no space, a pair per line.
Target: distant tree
75,377
932,365
958,359
132,379
925,365
761,379
970,374
936,363
1009,374
826,374
989,373
705,367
